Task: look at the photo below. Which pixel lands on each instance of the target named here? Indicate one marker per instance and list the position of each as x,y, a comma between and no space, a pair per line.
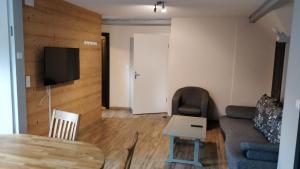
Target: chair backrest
64,125
129,153
193,95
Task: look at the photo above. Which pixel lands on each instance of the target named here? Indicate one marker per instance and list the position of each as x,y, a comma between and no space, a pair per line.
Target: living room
161,54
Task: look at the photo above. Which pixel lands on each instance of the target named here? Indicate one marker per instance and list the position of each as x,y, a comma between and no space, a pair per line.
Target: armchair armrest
257,151
204,103
242,112
175,103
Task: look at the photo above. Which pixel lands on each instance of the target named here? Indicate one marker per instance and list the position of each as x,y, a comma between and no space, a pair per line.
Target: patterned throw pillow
260,119
268,117
273,125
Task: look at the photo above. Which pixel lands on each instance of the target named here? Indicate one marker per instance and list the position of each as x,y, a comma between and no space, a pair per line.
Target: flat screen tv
60,65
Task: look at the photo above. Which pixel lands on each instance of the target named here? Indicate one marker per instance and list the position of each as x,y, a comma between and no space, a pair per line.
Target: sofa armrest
257,151
242,112
261,156
267,147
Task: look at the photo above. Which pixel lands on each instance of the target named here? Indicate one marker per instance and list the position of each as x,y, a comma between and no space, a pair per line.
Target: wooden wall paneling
57,23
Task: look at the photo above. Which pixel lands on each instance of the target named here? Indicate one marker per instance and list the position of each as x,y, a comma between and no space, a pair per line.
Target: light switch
298,104
29,3
90,43
19,55
28,82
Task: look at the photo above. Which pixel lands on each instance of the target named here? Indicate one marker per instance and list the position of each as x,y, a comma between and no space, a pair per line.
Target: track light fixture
163,7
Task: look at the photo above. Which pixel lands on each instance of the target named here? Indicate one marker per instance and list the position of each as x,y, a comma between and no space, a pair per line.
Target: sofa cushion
255,164
241,130
263,152
237,131
189,110
240,112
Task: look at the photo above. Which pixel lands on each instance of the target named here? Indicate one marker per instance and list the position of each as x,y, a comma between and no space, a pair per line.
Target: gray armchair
190,101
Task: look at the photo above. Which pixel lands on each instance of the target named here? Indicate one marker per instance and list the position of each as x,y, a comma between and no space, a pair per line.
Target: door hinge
11,31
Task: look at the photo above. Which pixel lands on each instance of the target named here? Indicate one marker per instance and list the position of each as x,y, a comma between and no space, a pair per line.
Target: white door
150,61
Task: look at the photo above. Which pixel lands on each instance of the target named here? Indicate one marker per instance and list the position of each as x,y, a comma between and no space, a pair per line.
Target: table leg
171,148
195,162
196,150
196,153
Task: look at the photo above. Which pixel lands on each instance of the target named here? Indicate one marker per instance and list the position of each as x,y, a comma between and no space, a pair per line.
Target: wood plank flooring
115,131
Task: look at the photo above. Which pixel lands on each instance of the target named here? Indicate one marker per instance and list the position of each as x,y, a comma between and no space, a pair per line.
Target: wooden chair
129,153
64,125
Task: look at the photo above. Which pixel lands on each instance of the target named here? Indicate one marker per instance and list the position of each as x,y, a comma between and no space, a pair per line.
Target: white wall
280,19
229,57
120,59
292,93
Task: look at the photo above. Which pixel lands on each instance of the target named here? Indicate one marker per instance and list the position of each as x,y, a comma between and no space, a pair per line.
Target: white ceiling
143,9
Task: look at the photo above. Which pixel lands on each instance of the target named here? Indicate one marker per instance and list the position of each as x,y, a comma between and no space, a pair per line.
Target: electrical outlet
29,3
28,82
19,55
90,43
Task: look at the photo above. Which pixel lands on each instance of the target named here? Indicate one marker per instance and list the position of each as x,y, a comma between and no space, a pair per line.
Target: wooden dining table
36,152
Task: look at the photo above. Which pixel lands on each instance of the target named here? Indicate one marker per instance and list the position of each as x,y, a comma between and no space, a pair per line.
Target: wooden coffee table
36,152
188,127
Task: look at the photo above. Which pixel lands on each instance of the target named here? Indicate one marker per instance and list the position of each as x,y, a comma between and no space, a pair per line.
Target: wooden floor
116,129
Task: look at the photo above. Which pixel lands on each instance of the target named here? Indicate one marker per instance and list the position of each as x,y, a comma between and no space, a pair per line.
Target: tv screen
60,65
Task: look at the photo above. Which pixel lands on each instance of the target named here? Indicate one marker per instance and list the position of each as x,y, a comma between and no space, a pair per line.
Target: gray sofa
245,147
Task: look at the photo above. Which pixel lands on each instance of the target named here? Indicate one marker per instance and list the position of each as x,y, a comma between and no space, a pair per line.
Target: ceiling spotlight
163,7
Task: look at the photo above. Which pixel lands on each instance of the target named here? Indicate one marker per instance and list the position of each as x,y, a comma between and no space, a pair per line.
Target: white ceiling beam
137,22
265,8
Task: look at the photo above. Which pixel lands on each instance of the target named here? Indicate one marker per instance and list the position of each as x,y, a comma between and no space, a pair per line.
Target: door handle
136,75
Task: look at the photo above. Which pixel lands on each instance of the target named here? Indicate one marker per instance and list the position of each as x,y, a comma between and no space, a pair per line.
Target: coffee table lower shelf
196,161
